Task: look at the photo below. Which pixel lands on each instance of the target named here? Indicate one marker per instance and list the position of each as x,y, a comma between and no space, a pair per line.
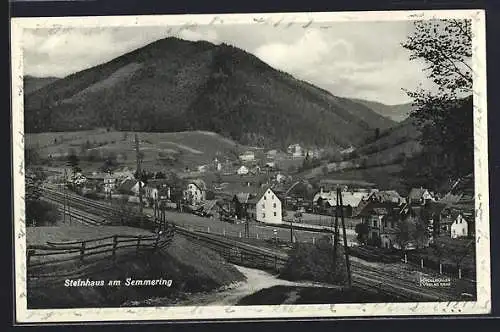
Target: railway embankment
176,270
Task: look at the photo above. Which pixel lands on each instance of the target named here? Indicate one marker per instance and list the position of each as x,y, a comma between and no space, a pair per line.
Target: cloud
63,52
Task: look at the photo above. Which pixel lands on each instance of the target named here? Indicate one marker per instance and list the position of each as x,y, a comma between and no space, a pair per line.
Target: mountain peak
174,85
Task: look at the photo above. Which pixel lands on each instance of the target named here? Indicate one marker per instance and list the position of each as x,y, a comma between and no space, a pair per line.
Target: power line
139,175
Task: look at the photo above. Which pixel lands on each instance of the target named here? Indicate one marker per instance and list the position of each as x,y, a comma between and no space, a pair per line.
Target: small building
385,196
326,201
151,192
130,187
381,220
265,207
454,223
295,150
247,156
243,170
202,168
420,196
195,192
280,178
271,154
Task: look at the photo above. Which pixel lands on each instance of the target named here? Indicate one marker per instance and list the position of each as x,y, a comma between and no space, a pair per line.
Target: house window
263,205
275,216
274,205
463,229
374,223
272,197
264,197
263,215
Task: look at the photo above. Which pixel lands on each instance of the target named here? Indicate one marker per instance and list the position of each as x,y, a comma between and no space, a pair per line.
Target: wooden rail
54,254
237,254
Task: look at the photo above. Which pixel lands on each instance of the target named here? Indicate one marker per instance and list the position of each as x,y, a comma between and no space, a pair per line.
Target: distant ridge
396,113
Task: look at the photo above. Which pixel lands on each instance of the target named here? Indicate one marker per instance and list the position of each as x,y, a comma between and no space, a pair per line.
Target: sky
350,59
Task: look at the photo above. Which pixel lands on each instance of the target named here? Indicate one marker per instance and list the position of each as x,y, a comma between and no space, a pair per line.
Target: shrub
315,263
41,213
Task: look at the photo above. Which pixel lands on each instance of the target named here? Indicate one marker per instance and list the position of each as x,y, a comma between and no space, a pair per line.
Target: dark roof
387,196
127,185
380,208
242,197
199,183
416,193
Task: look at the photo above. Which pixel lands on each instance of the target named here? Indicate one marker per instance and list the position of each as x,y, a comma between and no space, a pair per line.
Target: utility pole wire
139,175
346,249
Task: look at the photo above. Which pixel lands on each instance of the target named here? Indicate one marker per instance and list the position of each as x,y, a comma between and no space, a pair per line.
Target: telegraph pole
336,233
64,196
346,249
139,174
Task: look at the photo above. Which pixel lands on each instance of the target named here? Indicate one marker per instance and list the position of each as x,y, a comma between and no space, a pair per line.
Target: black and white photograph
246,166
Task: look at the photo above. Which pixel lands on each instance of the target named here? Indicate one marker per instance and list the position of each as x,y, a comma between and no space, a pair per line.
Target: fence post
224,232
257,235
240,234
115,244
30,252
275,263
138,242
440,268
459,273
314,240
156,242
82,252
406,258
422,263
208,229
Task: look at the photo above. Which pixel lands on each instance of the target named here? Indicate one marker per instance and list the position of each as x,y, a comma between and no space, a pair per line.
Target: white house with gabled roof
268,207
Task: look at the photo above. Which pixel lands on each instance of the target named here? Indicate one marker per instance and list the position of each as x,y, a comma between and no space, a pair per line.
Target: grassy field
190,149
191,267
76,232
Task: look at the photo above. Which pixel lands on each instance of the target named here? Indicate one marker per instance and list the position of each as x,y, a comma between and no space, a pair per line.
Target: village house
130,187
243,170
108,182
241,206
295,150
247,156
381,219
151,192
195,192
456,223
419,196
271,154
385,196
265,207
326,201
77,179
270,165
280,178
313,153
202,168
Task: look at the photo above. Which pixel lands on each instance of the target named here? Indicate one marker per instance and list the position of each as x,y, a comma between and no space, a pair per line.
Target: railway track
363,276
77,215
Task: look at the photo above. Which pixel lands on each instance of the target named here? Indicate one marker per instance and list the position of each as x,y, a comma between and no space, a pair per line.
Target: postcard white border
481,306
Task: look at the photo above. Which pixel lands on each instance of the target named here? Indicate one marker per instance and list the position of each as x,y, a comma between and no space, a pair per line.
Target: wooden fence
56,254
237,253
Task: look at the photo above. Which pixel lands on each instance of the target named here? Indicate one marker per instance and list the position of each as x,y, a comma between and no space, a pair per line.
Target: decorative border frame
195,313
